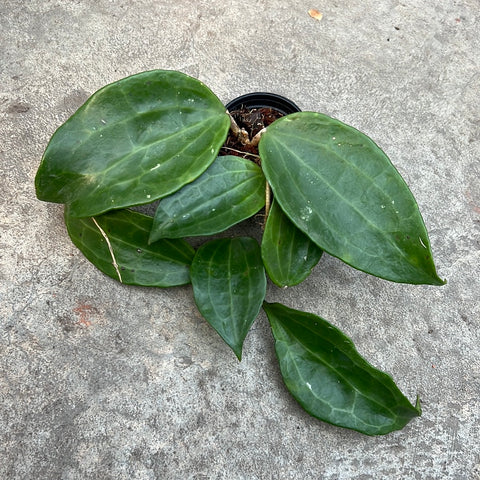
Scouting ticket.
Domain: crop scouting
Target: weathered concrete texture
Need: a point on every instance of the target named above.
(100, 380)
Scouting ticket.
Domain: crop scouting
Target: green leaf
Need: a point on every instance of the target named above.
(339, 188)
(229, 286)
(229, 191)
(328, 377)
(133, 141)
(117, 244)
(288, 254)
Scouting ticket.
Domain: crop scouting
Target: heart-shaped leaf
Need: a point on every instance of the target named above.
(229, 191)
(117, 244)
(229, 286)
(339, 188)
(133, 141)
(325, 373)
(288, 254)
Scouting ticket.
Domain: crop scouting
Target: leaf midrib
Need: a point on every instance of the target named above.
(350, 411)
(145, 148)
(340, 375)
(367, 221)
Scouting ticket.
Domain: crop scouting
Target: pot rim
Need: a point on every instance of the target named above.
(264, 100)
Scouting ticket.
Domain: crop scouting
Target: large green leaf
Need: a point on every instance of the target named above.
(133, 141)
(229, 191)
(117, 244)
(229, 286)
(288, 254)
(329, 378)
(339, 188)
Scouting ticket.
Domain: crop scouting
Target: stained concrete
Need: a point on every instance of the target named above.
(104, 381)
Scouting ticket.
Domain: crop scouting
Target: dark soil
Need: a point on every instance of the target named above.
(252, 120)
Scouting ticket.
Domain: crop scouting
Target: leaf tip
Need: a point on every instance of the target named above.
(153, 237)
(418, 406)
(437, 281)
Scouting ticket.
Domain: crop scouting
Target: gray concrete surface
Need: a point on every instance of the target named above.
(104, 381)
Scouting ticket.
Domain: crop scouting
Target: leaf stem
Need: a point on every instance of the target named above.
(268, 200)
(254, 141)
(240, 133)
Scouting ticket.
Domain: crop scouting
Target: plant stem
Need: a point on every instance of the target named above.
(240, 133)
(268, 202)
(268, 199)
(254, 141)
(243, 153)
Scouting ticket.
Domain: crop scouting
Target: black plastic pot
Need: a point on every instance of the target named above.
(263, 100)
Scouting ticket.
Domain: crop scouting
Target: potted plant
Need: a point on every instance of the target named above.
(156, 137)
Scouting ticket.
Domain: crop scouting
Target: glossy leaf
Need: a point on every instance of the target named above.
(288, 254)
(229, 286)
(133, 141)
(329, 378)
(229, 191)
(339, 188)
(117, 244)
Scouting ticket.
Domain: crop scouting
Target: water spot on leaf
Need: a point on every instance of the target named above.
(306, 213)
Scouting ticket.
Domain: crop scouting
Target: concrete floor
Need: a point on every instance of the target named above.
(104, 381)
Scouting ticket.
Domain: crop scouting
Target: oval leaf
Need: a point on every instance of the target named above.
(229, 286)
(229, 191)
(133, 141)
(288, 254)
(117, 244)
(339, 188)
(328, 377)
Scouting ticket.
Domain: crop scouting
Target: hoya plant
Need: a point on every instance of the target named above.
(319, 186)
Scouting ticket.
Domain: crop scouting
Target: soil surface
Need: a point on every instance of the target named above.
(252, 120)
